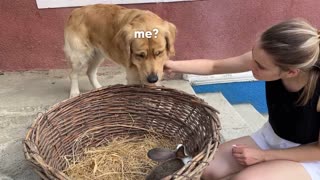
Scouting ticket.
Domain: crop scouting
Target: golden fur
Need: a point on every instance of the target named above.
(97, 32)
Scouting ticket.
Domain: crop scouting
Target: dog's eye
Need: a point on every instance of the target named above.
(158, 53)
(141, 55)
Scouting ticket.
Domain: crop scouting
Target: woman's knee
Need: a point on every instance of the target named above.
(217, 169)
(209, 174)
(223, 163)
(245, 175)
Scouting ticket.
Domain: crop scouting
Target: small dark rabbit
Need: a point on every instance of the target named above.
(173, 161)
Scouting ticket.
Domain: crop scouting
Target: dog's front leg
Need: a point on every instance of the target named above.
(74, 78)
(92, 71)
(132, 76)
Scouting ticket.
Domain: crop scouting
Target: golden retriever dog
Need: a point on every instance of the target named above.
(139, 40)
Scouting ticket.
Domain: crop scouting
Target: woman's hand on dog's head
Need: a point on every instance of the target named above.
(168, 66)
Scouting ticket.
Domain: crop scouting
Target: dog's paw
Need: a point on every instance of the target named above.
(74, 94)
(97, 86)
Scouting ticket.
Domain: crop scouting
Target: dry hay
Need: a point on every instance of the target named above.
(122, 158)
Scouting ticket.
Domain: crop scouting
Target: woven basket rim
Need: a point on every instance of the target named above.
(30, 149)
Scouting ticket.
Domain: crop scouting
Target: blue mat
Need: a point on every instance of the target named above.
(252, 92)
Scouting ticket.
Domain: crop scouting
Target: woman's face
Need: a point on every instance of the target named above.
(262, 65)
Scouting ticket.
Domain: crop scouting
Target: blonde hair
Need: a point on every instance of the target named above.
(295, 44)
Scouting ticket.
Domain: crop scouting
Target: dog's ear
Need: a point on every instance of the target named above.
(170, 38)
(123, 40)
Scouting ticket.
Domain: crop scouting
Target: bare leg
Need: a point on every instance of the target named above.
(92, 71)
(223, 163)
(228, 177)
(274, 170)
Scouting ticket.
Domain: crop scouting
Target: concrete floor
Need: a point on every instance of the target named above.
(23, 95)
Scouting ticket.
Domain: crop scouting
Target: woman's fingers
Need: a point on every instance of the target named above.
(238, 155)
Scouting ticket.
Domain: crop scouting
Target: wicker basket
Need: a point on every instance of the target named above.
(122, 110)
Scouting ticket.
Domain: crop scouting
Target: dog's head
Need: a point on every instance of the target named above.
(147, 41)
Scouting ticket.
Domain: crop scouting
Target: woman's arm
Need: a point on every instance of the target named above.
(308, 152)
(206, 66)
(303, 153)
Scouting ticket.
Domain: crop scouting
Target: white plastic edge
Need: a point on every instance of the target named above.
(219, 78)
(43, 4)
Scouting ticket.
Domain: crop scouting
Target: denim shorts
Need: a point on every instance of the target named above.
(266, 138)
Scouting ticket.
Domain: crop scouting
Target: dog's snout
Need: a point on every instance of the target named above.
(152, 78)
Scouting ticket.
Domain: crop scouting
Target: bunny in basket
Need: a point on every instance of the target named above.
(173, 161)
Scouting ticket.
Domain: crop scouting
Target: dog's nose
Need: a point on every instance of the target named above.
(152, 78)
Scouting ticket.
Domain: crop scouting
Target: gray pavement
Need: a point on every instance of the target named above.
(24, 94)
